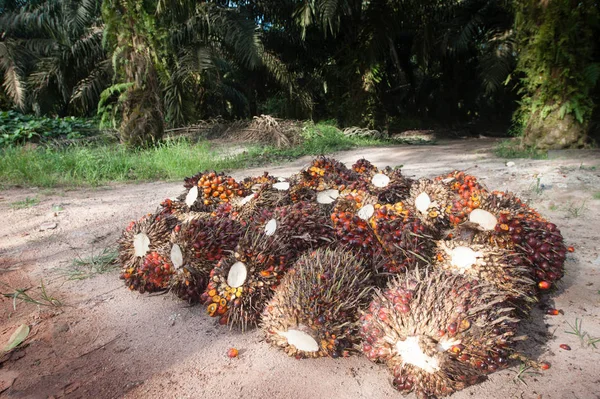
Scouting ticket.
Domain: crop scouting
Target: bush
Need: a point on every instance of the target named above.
(17, 128)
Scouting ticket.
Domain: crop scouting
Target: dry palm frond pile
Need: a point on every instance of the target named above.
(430, 277)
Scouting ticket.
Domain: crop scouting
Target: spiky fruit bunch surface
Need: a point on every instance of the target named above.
(212, 238)
(505, 221)
(504, 268)
(314, 312)
(432, 202)
(241, 283)
(138, 239)
(390, 186)
(405, 240)
(267, 197)
(352, 228)
(299, 227)
(155, 273)
(190, 272)
(438, 332)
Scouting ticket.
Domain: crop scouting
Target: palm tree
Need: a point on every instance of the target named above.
(51, 56)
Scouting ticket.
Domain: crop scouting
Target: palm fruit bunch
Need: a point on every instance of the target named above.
(138, 239)
(364, 168)
(504, 268)
(251, 184)
(432, 202)
(299, 227)
(315, 309)
(505, 221)
(406, 241)
(438, 332)
(212, 238)
(211, 189)
(350, 218)
(190, 272)
(242, 282)
(267, 196)
(469, 193)
(390, 187)
(542, 244)
(155, 273)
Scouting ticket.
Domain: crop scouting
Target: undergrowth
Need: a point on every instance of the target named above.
(511, 149)
(93, 165)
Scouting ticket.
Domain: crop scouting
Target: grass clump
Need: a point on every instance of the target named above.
(597, 195)
(510, 149)
(42, 298)
(93, 165)
(26, 203)
(101, 262)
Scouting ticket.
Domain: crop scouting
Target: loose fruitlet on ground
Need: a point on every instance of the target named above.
(298, 256)
(232, 352)
(545, 365)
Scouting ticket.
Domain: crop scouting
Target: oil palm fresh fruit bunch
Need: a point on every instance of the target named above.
(155, 273)
(137, 240)
(350, 217)
(190, 268)
(406, 241)
(390, 186)
(212, 189)
(299, 227)
(267, 196)
(468, 194)
(314, 311)
(432, 202)
(212, 238)
(485, 218)
(251, 184)
(505, 221)
(504, 268)
(438, 332)
(365, 168)
(244, 281)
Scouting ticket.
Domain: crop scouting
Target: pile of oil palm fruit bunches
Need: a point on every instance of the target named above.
(429, 277)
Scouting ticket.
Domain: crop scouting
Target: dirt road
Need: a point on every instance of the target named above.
(106, 341)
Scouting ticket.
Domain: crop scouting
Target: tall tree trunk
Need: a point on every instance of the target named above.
(556, 40)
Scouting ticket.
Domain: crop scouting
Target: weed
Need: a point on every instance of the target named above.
(524, 371)
(97, 263)
(585, 338)
(26, 203)
(597, 195)
(553, 207)
(44, 299)
(575, 210)
(512, 149)
(537, 187)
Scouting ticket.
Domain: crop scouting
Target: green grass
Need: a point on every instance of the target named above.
(101, 262)
(97, 165)
(510, 149)
(26, 203)
(597, 195)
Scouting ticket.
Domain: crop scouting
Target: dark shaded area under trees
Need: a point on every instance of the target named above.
(528, 66)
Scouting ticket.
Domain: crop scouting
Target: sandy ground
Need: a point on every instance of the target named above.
(106, 341)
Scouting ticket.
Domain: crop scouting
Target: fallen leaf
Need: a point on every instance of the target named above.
(17, 337)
